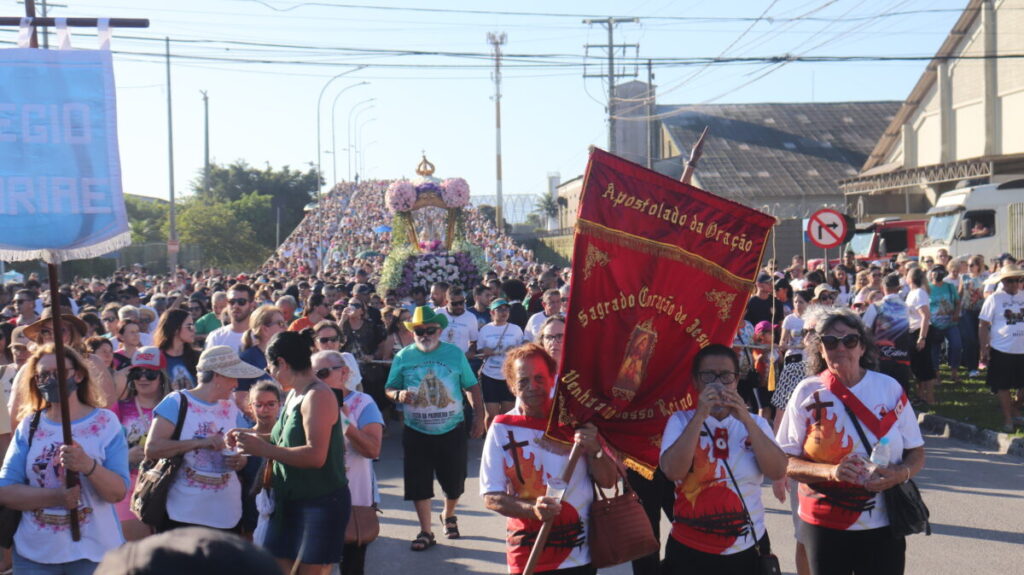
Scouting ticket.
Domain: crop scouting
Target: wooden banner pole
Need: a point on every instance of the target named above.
(545, 529)
(695, 154)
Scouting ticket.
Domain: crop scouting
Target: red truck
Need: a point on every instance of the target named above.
(884, 238)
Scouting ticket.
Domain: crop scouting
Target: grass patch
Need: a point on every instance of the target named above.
(970, 401)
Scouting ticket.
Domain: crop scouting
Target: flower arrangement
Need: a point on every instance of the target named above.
(400, 196)
(405, 269)
(455, 192)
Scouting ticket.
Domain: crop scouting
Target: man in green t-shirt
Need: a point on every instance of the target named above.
(430, 379)
(211, 321)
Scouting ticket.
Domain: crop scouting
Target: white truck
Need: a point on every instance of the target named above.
(986, 219)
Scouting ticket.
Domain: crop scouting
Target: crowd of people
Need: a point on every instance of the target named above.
(277, 388)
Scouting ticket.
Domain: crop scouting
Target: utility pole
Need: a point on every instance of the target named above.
(496, 40)
(610, 47)
(172, 239)
(650, 116)
(206, 143)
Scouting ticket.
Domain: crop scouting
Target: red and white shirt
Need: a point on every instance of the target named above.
(517, 461)
(708, 513)
(817, 427)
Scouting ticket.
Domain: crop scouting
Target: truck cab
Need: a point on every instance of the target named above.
(986, 219)
(884, 238)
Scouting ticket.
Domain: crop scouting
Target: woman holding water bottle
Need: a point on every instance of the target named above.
(520, 471)
(844, 522)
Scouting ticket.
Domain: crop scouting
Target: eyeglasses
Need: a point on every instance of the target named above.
(44, 375)
(150, 374)
(355, 305)
(827, 296)
(266, 404)
(21, 301)
(324, 372)
(425, 331)
(553, 337)
(109, 319)
(726, 377)
(238, 301)
(334, 339)
(1013, 280)
(831, 342)
(456, 303)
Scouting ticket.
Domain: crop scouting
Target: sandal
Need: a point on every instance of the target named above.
(423, 541)
(451, 527)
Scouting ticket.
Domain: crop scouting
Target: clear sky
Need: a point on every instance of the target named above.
(266, 113)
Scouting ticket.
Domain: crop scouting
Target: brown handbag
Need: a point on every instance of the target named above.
(363, 525)
(619, 528)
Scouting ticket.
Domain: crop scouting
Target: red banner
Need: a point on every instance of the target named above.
(660, 269)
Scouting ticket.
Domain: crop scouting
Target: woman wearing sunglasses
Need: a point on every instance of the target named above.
(361, 334)
(363, 427)
(147, 385)
(844, 521)
(327, 336)
(266, 322)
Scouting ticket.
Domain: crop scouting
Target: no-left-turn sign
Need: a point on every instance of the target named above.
(827, 228)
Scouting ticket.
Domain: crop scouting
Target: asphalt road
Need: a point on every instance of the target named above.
(976, 500)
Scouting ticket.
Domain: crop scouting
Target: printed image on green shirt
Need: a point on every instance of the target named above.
(436, 380)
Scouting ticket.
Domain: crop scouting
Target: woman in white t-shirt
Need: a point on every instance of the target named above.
(206, 490)
(32, 478)
(718, 455)
(792, 331)
(363, 426)
(844, 522)
(920, 316)
(493, 341)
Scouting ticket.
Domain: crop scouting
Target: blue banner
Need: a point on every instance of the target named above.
(60, 170)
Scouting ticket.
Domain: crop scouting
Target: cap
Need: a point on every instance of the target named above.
(192, 550)
(149, 357)
(225, 361)
(822, 288)
(763, 278)
(362, 289)
(498, 303)
(763, 326)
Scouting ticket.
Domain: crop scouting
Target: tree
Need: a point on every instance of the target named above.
(147, 219)
(228, 240)
(258, 193)
(547, 206)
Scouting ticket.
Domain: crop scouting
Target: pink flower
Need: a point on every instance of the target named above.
(400, 196)
(455, 192)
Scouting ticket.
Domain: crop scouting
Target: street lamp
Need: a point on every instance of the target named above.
(334, 139)
(349, 127)
(359, 141)
(319, 100)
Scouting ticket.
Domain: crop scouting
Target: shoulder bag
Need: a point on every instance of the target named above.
(11, 518)
(149, 499)
(620, 530)
(908, 514)
(363, 525)
(767, 562)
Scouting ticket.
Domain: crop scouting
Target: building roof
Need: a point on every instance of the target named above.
(891, 136)
(756, 151)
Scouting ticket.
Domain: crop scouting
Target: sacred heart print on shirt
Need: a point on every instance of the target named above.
(527, 479)
(708, 514)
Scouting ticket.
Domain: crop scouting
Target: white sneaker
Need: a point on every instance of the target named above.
(974, 373)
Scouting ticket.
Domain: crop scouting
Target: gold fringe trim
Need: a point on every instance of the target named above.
(663, 250)
(642, 468)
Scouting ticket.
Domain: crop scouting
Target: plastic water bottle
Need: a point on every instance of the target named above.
(880, 455)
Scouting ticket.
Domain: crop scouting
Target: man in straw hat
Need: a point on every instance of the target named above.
(1001, 337)
(430, 379)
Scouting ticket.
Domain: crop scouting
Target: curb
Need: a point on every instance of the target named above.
(990, 440)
